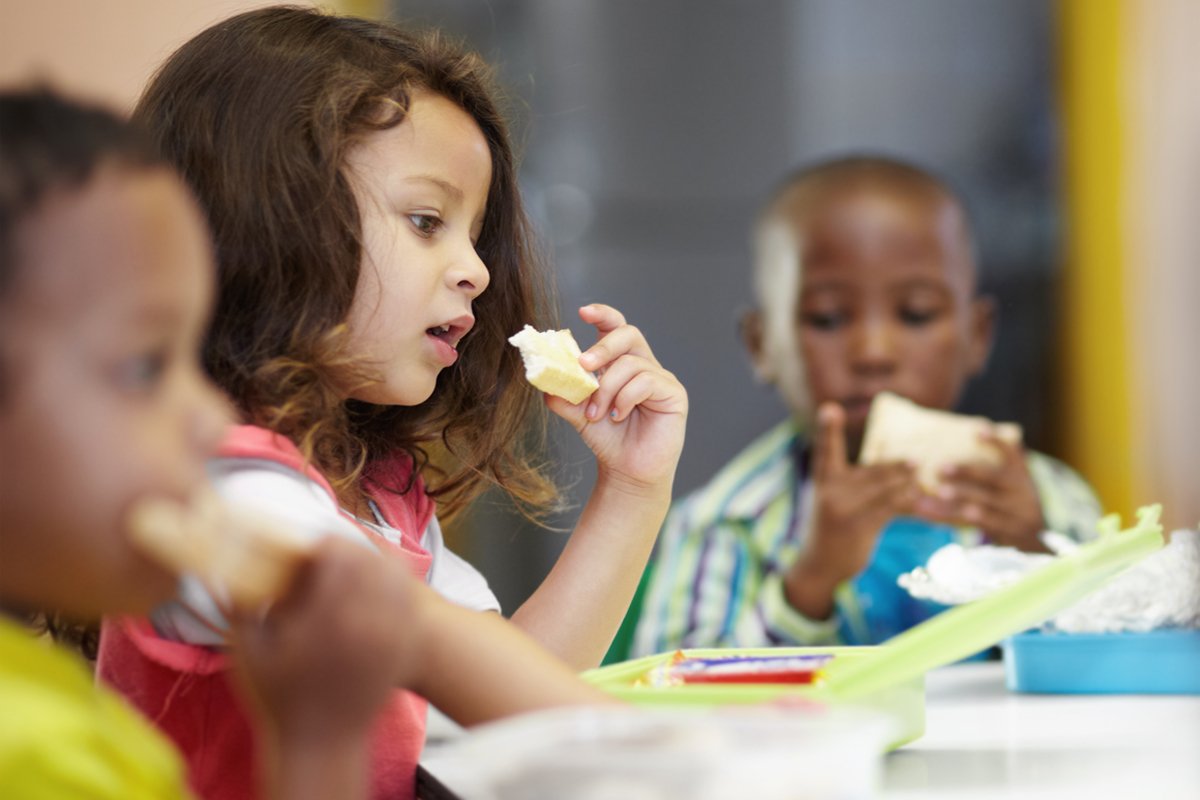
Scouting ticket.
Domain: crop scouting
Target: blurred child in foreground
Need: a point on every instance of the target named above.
(106, 281)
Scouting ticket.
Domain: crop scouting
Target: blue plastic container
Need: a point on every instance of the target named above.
(1157, 662)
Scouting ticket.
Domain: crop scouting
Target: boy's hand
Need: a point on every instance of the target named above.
(321, 662)
(853, 504)
(635, 421)
(1000, 500)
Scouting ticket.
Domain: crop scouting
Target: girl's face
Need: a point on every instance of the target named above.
(102, 400)
(422, 190)
(886, 301)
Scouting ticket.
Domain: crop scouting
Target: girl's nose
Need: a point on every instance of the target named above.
(469, 273)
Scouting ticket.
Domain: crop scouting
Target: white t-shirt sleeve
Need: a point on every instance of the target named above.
(287, 496)
(266, 488)
(452, 577)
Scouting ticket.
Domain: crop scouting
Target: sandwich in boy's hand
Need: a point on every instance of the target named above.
(243, 556)
(552, 363)
(900, 430)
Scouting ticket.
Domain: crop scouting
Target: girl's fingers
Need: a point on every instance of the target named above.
(829, 453)
(573, 414)
(625, 340)
(631, 381)
(604, 318)
(654, 390)
(616, 375)
(617, 337)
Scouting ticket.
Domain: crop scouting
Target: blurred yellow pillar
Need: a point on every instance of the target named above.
(1130, 415)
(1095, 417)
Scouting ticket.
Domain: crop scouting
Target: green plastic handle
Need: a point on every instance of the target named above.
(967, 629)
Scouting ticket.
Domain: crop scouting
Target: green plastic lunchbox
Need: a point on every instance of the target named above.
(890, 678)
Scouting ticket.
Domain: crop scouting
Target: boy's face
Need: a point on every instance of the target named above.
(102, 399)
(885, 303)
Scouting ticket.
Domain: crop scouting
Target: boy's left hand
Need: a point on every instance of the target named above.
(1001, 500)
(635, 421)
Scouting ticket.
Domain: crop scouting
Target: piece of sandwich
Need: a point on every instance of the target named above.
(237, 554)
(552, 363)
(900, 430)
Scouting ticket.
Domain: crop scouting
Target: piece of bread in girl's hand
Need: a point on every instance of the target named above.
(552, 363)
(244, 556)
(900, 430)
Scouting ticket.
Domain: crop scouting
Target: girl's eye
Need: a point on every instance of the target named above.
(426, 224)
(141, 373)
(823, 320)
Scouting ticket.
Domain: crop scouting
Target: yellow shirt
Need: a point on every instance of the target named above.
(62, 736)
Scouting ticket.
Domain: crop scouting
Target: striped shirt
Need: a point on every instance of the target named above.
(717, 574)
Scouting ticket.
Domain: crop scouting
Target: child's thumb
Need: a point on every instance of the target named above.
(575, 414)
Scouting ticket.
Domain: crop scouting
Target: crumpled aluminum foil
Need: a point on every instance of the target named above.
(1160, 591)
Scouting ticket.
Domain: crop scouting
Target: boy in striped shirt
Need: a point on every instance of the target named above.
(866, 281)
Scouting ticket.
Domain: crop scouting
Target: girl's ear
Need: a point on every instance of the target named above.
(750, 328)
(982, 333)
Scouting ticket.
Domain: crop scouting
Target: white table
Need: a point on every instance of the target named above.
(982, 741)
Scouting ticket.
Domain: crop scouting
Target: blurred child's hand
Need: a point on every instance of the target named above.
(1001, 500)
(635, 421)
(853, 504)
(321, 662)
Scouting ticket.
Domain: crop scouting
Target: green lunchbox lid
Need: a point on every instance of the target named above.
(963, 630)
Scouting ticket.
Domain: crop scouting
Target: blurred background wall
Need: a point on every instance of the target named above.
(652, 129)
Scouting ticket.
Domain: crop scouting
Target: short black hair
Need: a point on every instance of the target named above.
(49, 143)
(884, 168)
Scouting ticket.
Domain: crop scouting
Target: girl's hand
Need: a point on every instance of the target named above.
(635, 421)
(852, 505)
(322, 661)
(1000, 500)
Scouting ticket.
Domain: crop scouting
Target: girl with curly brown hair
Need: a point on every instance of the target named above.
(373, 257)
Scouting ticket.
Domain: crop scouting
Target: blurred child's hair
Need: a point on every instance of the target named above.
(871, 168)
(49, 145)
(258, 113)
